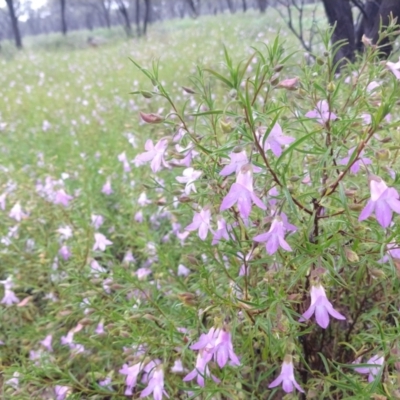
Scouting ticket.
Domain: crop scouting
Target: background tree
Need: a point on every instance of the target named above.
(63, 19)
(14, 23)
(147, 11)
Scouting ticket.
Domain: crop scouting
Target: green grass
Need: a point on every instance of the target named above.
(84, 93)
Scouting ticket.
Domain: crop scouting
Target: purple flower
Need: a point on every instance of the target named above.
(16, 212)
(97, 221)
(61, 392)
(9, 296)
(275, 237)
(242, 193)
(65, 232)
(275, 140)
(201, 221)
(189, 176)
(384, 201)
(395, 68)
(64, 252)
(100, 328)
(155, 154)
(46, 343)
(62, 198)
(222, 231)
(372, 371)
(322, 113)
(107, 189)
(223, 350)
(156, 384)
(122, 158)
(286, 377)
(201, 369)
(101, 242)
(131, 376)
(322, 307)
(393, 251)
(356, 166)
(237, 161)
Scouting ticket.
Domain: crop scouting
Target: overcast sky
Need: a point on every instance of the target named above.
(35, 3)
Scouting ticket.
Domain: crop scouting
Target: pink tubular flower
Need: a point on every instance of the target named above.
(9, 296)
(201, 369)
(101, 242)
(372, 371)
(190, 175)
(322, 113)
(156, 384)
(275, 140)
(242, 193)
(222, 232)
(17, 213)
(64, 252)
(286, 377)
(155, 154)
(384, 201)
(322, 307)
(201, 221)
(223, 350)
(107, 189)
(46, 343)
(395, 68)
(61, 392)
(62, 198)
(131, 376)
(275, 237)
(356, 166)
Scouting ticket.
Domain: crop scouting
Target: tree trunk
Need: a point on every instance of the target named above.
(262, 5)
(381, 20)
(138, 30)
(125, 15)
(14, 24)
(192, 7)
(366, 24)
(244, 3)
(230, 6)
(63, 20)
(106, 13)
(146, 15)
(340, 15)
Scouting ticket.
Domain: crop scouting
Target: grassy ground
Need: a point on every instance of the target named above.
(65, 116)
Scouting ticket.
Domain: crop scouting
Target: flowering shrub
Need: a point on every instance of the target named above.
(244, 245)
(289, 163)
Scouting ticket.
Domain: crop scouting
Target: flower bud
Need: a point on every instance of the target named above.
(289, 84)
(146, 94)
(294, 178)
(274, 79)
(151, 118)
(188, 90)
(188, 299)
(367, 42)
(278, 68)
(233, 93)
(377, 273)
(350, 192)
(227, 126)
(351, 255)
(320, 61)
(382, 154)
(356, 206)
(184, 199)
(237, 149)
(331, 87)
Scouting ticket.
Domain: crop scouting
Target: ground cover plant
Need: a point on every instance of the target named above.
(232, 235)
